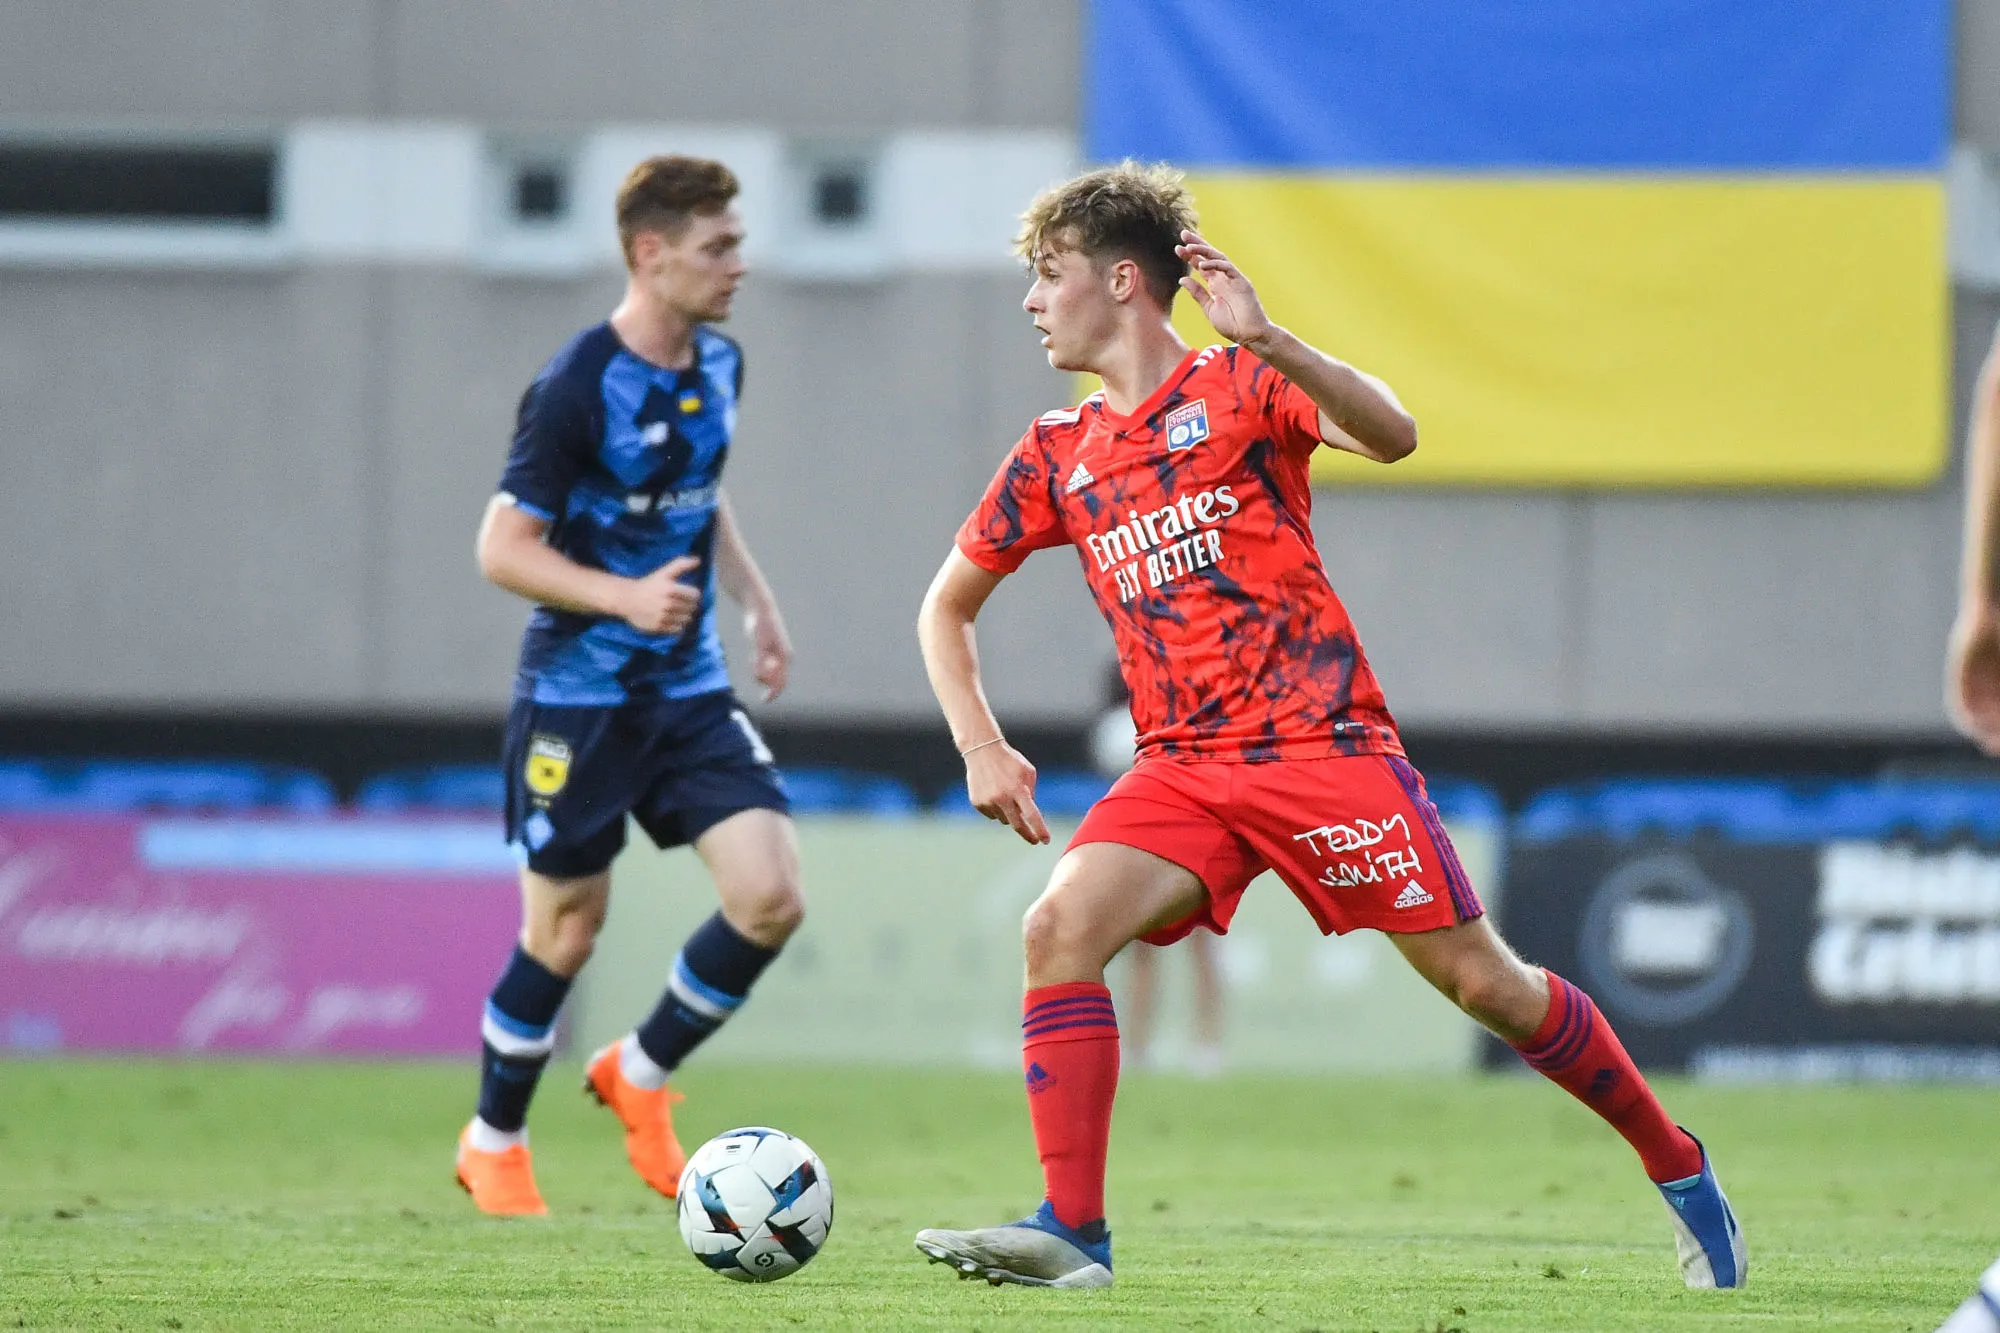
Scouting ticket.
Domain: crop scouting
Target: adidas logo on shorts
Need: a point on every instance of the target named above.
(1413, 895)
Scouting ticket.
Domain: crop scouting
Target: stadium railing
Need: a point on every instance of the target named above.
(1060, 793)
(1068, 793)
(112, 786)
(1765, 810)
(27, 784)
(825, 791)
(458, 788)
(474, 788)
(1462, 800)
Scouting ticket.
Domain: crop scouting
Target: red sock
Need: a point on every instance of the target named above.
(1576, 1048)
(1069, 1048)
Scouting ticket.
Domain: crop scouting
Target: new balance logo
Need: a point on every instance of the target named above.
(1413, 895)
(1078, 480)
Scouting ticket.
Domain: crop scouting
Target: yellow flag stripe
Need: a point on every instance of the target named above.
(1614, 331)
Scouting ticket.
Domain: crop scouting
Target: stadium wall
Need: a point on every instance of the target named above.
(254, 487)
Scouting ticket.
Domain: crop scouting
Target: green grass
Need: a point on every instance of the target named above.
(173, 1196)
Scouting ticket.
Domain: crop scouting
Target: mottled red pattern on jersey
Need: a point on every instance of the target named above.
(1199, 550)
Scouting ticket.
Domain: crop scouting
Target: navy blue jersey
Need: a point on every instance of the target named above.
(623, 459)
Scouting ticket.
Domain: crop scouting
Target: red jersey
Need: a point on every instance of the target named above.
(1192, 519)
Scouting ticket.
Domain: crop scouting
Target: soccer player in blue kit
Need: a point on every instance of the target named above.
(611, 518)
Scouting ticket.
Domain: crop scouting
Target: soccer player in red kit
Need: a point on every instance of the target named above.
(1264, 739)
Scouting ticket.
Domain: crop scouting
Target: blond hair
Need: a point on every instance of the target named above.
(1131, 211)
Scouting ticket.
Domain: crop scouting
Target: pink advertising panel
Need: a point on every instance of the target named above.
(268, 936)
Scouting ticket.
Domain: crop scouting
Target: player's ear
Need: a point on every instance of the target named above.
(646, 247)
(1124, 279)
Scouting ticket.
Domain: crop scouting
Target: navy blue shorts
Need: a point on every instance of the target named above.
(678, 766)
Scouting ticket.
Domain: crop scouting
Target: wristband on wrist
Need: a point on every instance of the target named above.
(982, 745)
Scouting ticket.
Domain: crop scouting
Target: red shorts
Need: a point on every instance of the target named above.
(1355, 837)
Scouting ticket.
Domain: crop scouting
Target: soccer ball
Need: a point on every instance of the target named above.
(755, 1204)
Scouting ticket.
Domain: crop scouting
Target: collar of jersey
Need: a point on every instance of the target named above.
(693, 367)
(1123, 423)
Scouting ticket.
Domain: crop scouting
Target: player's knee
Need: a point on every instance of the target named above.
(1053, 932)
(1498, 992)
(769, 914)
(1476, 989)
(1039, 925)
(564, 944)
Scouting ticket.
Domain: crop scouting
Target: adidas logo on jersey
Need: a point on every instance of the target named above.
(1413, 895)
(1078, 479)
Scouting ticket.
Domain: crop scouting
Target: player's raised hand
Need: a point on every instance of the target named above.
(1000, 782)
(660, 603)
(1222, 292)
(1972, 683)
(772, 647)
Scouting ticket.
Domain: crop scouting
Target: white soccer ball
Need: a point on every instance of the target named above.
(755, 1204)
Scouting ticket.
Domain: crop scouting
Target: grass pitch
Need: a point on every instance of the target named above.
(189, 1196)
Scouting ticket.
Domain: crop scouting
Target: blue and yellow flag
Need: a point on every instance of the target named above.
(1650, 242)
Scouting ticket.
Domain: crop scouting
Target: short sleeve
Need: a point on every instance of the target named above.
(1018, 514)
(551, 447)
(1292, 417)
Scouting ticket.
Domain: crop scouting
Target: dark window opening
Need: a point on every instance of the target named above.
(541, 193)
(135, 183)
(839, 196)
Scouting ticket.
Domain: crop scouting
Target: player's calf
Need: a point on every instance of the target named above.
(517, 1034)
(1560, 1032)
(708, 982)
(1102, 896)
(1473, 968)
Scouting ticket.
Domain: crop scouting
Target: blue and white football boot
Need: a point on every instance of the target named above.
(1981, 1311)
(1711, 1246)
(1037, 1251)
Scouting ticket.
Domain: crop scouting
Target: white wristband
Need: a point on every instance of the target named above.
(982, 745)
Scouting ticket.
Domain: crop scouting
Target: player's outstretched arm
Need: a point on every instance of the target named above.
(736, 570)
(1357, 412)
(1972, 682)
(512, 553)
(999, 780)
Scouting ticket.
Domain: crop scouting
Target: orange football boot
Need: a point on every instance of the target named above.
(501, 1183)
(648, 1116)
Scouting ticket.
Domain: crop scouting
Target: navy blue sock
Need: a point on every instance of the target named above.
(518, 1032)
(712, 974)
